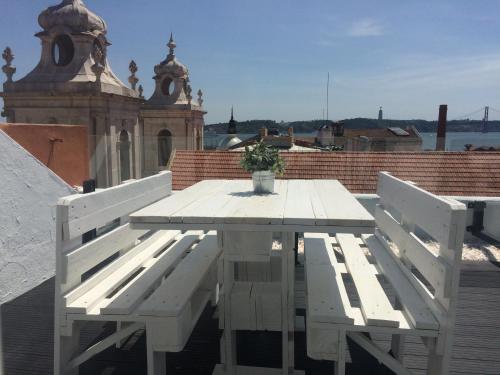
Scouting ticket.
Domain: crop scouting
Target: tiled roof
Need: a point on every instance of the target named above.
(445, 173)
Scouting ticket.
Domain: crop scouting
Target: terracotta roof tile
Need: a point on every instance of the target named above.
(447, 173)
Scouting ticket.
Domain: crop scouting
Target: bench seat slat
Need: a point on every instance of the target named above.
(413, 304)
(376, 307)
(83, 298)
(327, 298)
(125, 301)
(172, 296)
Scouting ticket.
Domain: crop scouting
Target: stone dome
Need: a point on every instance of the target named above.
(74, 15)
(227, 142)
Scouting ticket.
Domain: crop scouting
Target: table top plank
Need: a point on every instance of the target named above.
(161, 211)
(297, 203)
(210, 201)
(249, 208)
(299, 209)
(340, 206)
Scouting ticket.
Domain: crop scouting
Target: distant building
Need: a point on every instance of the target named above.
(373, 139)
(380, 114)
(272, 137)
(231, 128)
(171, 119)
(231, 139)
(73, 84)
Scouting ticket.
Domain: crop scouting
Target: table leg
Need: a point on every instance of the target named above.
(288, 301)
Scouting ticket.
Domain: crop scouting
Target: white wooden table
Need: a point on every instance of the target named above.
(245, 224)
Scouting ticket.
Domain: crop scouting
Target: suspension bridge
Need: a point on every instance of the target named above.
(485, 112)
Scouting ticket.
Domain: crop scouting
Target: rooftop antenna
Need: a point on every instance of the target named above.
(327, 93)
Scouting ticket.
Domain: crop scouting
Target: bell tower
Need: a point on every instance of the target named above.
(171, 119)
(73, 84)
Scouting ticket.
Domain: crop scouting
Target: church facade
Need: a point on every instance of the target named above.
(73, 84)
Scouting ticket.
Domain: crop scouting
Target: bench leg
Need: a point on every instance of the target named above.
(287, 301)
(156, 360)
(398, 341)
(66, 347)
(229, 337)
(339, 368)
(439, 363)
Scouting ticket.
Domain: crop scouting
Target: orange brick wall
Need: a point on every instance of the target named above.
(67, 155)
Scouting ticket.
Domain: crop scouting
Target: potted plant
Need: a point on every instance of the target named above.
(264, 162)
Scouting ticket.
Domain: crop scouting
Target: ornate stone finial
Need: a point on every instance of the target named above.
(187, 88)
(200, 97)
(133, 79)
(141, 91)
(99, 62)
(171, 46)
(8, 69)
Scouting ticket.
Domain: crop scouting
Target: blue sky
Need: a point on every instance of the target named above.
(270, 58)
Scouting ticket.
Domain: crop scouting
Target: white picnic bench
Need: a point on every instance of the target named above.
(425, 282)
(157, 280)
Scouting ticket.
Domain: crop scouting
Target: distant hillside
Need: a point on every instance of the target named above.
(253, 126)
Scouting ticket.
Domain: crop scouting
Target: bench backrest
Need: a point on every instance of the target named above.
(78, 214)
(405, 210)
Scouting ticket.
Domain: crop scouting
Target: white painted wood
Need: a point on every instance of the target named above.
(243, 315)
(89, 293)
(133, 295)
(322, 344)
(415, 307)
(207, 201)
(171, 297)
(378, 353)
(241, 246)
(375, 306)
(89, 211)
(266, 296)
(104, 344)
(430, 212)
(340, 363)
(215, 204)
(163, 210)
(327, 298)
(82, 259)
(116, 292)
(257, 227)
(299, 191)
(340, 207)
(435, 269)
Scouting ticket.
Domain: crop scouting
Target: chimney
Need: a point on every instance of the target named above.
(339, 129)
(263, 132)
(441, 131)
(290, 132)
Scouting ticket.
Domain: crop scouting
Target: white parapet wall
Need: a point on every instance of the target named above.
(28, 195)
(491, 219)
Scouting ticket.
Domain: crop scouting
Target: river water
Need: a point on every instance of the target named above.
(455, 141)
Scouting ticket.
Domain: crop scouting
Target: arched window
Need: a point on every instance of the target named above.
(164, 147)
(124, 155)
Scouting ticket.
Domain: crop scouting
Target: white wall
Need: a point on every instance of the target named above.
(28, 194)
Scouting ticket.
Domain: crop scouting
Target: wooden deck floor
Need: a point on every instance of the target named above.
(27, 327)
